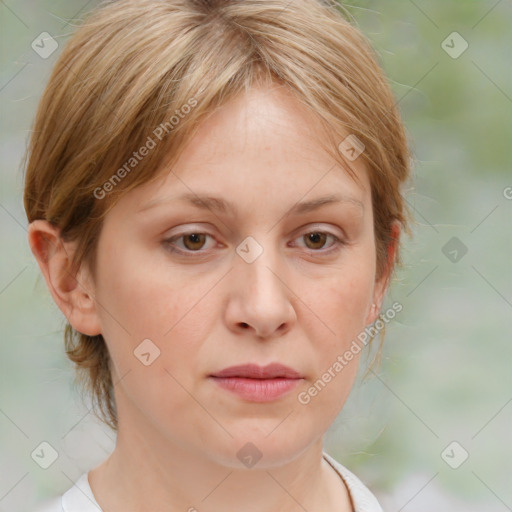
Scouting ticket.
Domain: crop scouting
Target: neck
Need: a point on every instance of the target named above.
(152, 472)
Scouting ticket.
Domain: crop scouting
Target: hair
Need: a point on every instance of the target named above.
(145, 73)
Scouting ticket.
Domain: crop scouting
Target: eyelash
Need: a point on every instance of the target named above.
(336, 246)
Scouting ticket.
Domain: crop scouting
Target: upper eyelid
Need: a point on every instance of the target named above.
(308, 228)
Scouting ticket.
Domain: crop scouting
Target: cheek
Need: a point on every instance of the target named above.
(341, 302)
(143, 299)
(150, 302)
(338, 309)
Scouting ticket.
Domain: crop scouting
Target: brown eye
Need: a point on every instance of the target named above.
(315, 240)
(188, 243)
(194, 241)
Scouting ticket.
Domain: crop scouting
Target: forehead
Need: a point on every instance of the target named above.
(266, 124)
(260, 149)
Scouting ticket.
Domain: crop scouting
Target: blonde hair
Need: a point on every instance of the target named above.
(132, 68)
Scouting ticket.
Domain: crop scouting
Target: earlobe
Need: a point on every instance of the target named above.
(72, 292)
(372, 315)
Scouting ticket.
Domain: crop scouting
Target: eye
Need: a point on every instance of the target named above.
(192, 242)
(315, 241)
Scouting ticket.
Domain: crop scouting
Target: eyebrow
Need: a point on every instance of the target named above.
(207, 202)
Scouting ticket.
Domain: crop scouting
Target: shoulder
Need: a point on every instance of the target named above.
(78, 498)
(362, 497)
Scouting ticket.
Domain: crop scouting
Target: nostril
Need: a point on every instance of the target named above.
(244, 325)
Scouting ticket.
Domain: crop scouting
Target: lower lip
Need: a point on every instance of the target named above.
(257, 390)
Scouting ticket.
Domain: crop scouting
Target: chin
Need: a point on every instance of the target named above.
(261, 449)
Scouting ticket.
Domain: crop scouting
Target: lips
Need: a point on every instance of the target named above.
(255, 383)
(253, 371)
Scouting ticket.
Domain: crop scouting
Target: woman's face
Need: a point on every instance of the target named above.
(232, 259)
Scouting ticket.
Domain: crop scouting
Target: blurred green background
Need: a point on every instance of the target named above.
(446, 372)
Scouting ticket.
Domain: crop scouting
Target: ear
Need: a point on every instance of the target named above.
(73, 294)
(382, 283)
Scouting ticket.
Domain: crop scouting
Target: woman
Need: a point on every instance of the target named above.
(214, 199)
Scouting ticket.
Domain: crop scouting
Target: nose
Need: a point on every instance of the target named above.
(260, 300)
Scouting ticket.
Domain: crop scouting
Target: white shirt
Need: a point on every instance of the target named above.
(80, 498)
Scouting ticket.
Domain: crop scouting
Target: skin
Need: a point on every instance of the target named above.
(301, 303)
